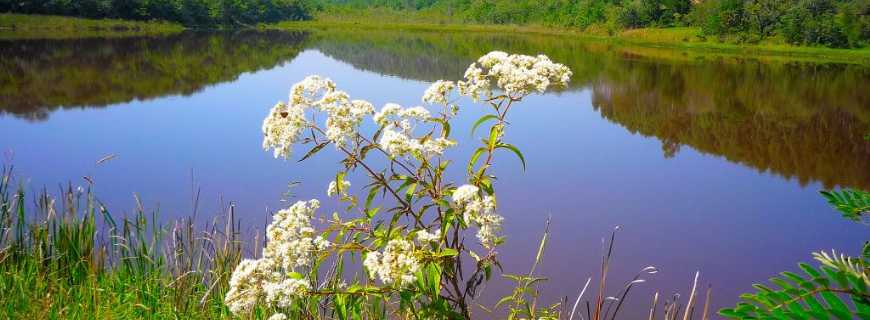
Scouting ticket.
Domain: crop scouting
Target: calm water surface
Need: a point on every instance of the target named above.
(707, 163)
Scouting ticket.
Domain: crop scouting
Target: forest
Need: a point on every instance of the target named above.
(831, 23)
(191, 13)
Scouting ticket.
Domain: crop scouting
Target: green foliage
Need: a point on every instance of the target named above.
(563, 13)
(831, 23)
(837, 288)
(853, 204)
(41, 76)
(195, 13)
(68, 257)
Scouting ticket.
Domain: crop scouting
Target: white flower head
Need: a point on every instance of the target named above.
(417, 113)
(246, 286)
(282, 128)
(334, 189)
(291, 242)
(481, 211)
(389, 109)
(437, 146)
(439, 92)
(397, 143)
(278, 316)
(423, 236)
(396, 265)
(345, 116)
(282, 293)
(515, 74)
(465, 194)
(285, 123)
(310, 90)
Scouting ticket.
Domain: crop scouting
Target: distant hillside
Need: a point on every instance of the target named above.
(831, 23)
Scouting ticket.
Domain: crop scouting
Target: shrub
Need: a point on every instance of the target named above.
(410, 239)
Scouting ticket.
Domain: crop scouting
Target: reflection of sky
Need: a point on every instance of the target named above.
(691, 212)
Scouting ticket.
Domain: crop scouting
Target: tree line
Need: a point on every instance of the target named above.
(833, 23)
(192, 13)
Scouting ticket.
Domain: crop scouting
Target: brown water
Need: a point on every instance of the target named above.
(708, 163)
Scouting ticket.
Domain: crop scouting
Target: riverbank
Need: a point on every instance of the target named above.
(22, 26)
(684, 38)
(19, 26)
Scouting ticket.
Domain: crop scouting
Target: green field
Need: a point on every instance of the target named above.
(21, 26)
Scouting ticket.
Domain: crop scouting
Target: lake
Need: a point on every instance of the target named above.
(707, 162)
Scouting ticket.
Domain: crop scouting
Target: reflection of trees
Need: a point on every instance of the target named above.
(431, 56)
(39, 76)
(798, 120)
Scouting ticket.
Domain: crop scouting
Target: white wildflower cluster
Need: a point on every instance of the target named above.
(423, 236)
(397, 139)
(285, 123)
(334, 189)
(396, 265)
(291, 245)
(291, 237)
(439, 92)
(392, 112)
(481, 211)
(278, 316)
(282, 128)
(517, 75)
(282, 293)
(246, 285)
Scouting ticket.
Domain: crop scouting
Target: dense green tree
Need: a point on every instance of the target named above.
(196, 13)
(834, 23)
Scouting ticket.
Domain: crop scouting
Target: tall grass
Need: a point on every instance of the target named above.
(68, 257)
(65, 256)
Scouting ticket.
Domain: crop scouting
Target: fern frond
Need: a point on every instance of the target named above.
(853, 204)
(841, 262)
(837, 289)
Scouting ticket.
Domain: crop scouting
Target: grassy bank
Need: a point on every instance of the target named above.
(68, 257)
(686, 38)
(22, 26)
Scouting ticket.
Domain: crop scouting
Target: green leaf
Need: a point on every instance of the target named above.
(313, 151)
(853, 204)
(494, 134)
(372, 193)
(515, 151)
(474, 158)
(445, 126)
(448, 252)
(838, 308)
(409, 194)
(481, 121)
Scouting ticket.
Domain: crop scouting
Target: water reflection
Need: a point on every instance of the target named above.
(40, 76)
(797, 120)
(588, 164)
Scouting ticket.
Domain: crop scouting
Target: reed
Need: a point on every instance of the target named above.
(68, 256)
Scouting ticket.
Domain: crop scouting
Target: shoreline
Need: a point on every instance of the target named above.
(685, 39)
(657, 38)
(23, 26)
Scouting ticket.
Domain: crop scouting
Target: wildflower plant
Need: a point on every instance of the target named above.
(408, 227)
